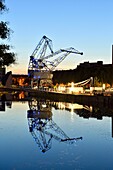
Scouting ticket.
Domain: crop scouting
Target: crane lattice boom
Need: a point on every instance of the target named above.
(64, 53)
(39, 59)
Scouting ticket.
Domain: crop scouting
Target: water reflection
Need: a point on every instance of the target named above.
(86, 111)
(43, 128)
(5, 100)
(49, 126)
(40, 116)
(71, 107)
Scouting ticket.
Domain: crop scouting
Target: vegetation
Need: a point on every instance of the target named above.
(101, 74)
(6, 56)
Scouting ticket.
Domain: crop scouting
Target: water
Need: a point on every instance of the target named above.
(33, 135)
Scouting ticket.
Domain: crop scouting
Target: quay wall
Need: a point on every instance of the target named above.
(96, 100)
(84, 99)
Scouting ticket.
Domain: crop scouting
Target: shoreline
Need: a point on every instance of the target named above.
(95, 100)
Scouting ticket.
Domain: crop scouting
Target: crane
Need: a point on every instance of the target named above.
(42, 128)
(42, 62)
(51, 65)
(43, 44)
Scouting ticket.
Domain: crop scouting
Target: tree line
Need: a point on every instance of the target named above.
(101, 74)
(6, 56)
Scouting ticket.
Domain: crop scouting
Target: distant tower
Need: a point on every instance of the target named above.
(112, 55)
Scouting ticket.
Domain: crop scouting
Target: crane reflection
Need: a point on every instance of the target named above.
(43, 128)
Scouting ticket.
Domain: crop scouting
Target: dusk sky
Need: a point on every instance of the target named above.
(86, 25)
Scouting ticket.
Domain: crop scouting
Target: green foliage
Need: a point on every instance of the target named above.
(2, 6)
(6, 56)
(4, 30)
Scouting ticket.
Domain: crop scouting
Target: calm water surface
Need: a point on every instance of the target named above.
(38, 135)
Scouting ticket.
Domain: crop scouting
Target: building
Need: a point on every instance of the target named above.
(96, 64)
(20, 79)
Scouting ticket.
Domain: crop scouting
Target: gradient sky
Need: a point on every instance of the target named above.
(86, 25)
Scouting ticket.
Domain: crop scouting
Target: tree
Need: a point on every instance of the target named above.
(2, 6)
(6, 56)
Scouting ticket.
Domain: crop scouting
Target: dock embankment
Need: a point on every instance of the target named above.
(95, 100)
(84, 99)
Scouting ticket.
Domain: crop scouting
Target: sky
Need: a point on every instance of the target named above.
(86, 25)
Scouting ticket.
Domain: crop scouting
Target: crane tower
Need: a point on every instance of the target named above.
(44, 60)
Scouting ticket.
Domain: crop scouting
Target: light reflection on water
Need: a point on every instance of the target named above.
(36, 135)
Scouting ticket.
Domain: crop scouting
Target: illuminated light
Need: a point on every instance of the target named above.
(72, 87)
(91, 109)
(61, 105)
(61, 88)
(72, 117)
(75, 106)
(72, 108)
(34, 112)
(21, 95)
(103, 86)
(34, 77)
(43, 105)
(91, 89)
(72, 84)
(72, 114)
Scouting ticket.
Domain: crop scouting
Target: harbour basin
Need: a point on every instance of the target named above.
(46, 135)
